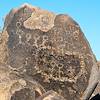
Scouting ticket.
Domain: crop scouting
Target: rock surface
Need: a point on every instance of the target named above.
(98, 87)
(48, 50)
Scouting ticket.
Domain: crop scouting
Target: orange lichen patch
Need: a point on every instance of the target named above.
(3, 47)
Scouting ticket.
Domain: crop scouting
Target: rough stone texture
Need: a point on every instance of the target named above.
(3, 47)
(98, 87)
(50, 95)
(49, 48)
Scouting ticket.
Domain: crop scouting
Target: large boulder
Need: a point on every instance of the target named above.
(51, 49)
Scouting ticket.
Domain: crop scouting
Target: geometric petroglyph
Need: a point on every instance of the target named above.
(45, 21)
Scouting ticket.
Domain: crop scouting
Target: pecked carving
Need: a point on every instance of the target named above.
(45, 20)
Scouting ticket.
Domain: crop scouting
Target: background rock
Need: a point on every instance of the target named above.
(3, 47)
(98, 87)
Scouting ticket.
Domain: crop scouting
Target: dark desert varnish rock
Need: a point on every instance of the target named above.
(51, 49)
